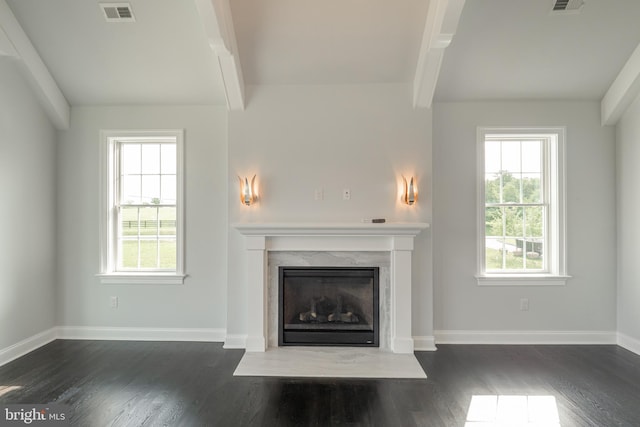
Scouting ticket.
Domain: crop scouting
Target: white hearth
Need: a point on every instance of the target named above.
(387, 245)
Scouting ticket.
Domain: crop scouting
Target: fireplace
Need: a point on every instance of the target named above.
(337, 306)
(319, 241)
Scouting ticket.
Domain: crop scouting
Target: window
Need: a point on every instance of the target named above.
(141, 209)
(521, 206)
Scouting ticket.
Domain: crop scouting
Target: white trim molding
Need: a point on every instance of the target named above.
(425, 343)
(217, 22)
(27, 345)
(394, 238)
(553, 191)
(108, 205)
(235, 342)
(440, 27)
(629, 343)
(15, 42)
(525, 337)
(141, 279)
(302, 229)
(622, 92)
(515, 280)
(141, 334)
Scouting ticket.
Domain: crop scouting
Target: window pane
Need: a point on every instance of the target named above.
(492, 156)
(148, 254)
(493, 222)
(130, 159)
(150, 158)
(511, 156)
(492, 188)
(129, 221)
(129, 251)
(130, 189)
(534, 221)
(513, 254)
(519, 170)
(533, 254)
(167, 217)
(168, 254)
(532, 156)
(494, 254)
(168, 189)
(513, 221)
(151, 189)
(149, 221)
(510, 188)
(168, 165)
(531, 189)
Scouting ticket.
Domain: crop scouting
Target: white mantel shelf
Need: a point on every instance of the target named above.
(393, 237)
(330, 228)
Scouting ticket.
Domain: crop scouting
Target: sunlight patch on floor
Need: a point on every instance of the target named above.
(5, 389)
(512, 411)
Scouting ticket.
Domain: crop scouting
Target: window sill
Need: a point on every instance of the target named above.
(141, 278)
(522, 280)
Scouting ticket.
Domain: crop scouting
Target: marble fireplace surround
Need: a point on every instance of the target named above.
(355, 244)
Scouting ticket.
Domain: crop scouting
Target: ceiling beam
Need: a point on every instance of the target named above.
(14, 42)
(622, 92)
(440, 27)
(6, 47)
(216, 19)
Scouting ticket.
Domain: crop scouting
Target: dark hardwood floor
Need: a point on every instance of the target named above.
(117, 383)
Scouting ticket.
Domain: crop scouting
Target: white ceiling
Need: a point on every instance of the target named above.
(502, 49)
(515, 49)
(162, 58)
(329, 41)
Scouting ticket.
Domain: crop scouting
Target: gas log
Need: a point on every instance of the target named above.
(323, 310)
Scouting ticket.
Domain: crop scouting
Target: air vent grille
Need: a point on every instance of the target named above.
(117, 12)
(567, 6)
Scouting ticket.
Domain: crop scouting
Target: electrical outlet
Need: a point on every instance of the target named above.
(318, 194)
(346, 194)
(524, 304)
(114, 302)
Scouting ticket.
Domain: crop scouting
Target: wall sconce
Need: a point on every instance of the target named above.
(247, 191)
(410, 195)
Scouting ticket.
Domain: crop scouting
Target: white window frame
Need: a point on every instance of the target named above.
(555, 225)
(109, 274)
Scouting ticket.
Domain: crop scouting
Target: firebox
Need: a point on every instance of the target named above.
(330, 306)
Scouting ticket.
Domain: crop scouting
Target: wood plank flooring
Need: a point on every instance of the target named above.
(120, 383)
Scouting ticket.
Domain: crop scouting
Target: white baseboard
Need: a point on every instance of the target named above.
(425, 343)
(631, 344)
(235, 342)
(525, 337)
(421, 343)
(141, 334)
(27, 345)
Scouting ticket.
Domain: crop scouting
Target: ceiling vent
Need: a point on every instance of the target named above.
(567, 6)
(117, 12)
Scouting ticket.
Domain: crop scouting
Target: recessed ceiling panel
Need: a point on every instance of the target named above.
(506, 49)
(329, 41)
(161, 58)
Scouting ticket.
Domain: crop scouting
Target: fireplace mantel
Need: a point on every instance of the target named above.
(331, 229)
(395, 238)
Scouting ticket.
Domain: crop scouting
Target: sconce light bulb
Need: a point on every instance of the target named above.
(247, 194)
(410, 191)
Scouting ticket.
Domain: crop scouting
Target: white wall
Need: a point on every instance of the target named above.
(628, 185)
(27, 213)
(588, 301)
(301, 138)
(200, 301)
